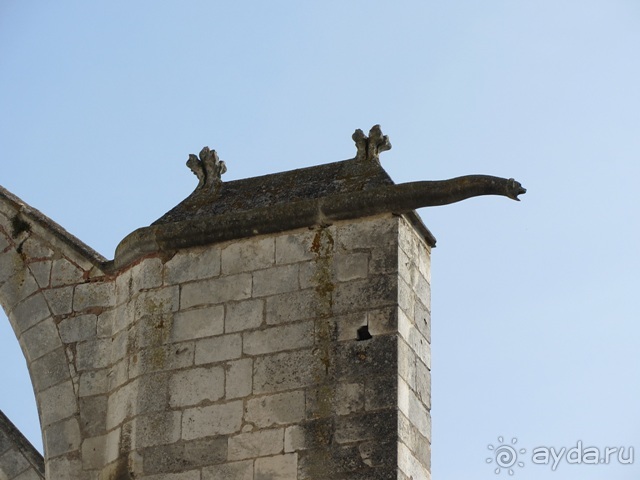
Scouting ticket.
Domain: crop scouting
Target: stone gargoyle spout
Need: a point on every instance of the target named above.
(444, 192)
(405, 197)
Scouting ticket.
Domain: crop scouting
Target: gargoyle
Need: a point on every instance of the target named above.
(429, 193)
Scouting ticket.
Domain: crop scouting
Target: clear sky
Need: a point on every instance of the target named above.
(534, 304)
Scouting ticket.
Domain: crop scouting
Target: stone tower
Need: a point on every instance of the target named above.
(272, 328)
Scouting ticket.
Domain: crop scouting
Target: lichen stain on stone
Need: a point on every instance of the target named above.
(122, 469)
(158, 358)
(119, 472)
(322, 248)
(18, 226)
(322, 435)
(157, 330)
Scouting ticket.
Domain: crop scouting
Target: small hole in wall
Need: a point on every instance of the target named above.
(363, 333)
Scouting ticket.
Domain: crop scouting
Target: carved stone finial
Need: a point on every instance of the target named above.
(369, 148)
(208, 168)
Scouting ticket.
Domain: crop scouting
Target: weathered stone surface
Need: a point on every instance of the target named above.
(191, 475)
(101, 450)
(196, 385)
(92, 419)
(12, 464)
(295, 247)
(93, 354)
(121, 405)
(58, 402)
(198, 323)
(417, 443)
(372, 292)
(418, 343)
(343, 462)
(286, 371)
(410, 465)
(215, 291)
(94, 382)
(351, 266)
(275, 339)
(69, 465)
(256, 444)
(380, 392)
(414, 409)
(217, 349)
(294, 306)
(40, 339)
(158, 428)
(147, 274)
(313, 434)
(335, 399)
(275, 280)
(77, 329)
(21, 285)
(89, 295)
(35, 249)
(63, 272)
(4, 241)
(239, 378)
(249, 255)
(422, 320)
(62, 437)
(213, 420)
(182, 456)
(10, 264)
(357, 360)
(30, 474)
(342, 327)
(277, 409)
(192, 265)
(18, 458)
(155, 302)
(49, 370)
(29, 312)
(162, 358)
(279, 467)
(229, 471)
(60, 300)
(367, 426)
(245, 315)
(41, 272)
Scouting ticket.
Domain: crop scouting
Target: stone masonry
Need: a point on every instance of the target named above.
(240, 360)
(275, 328)
(18, 459)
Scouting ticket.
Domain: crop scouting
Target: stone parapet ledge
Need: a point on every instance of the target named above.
(398, 199)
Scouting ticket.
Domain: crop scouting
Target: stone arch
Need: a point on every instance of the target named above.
(40, 267)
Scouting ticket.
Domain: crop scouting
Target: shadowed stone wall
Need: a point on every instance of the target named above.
(241, 360)
(18, 459)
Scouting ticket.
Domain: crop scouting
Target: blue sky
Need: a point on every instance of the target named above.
(534, 304)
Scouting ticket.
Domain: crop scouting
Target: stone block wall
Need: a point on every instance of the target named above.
(18, 459)
(302, 355)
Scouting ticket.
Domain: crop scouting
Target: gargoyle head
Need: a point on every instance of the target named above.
(514, 188)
